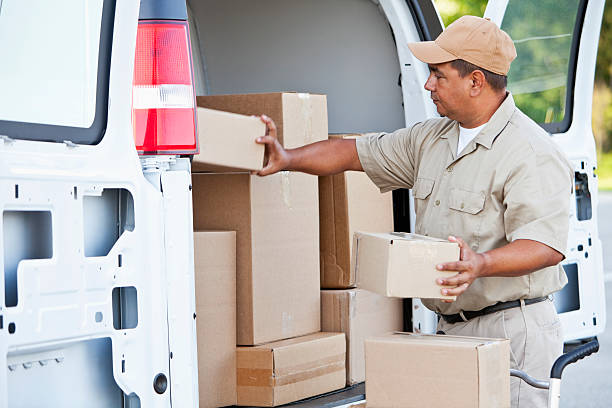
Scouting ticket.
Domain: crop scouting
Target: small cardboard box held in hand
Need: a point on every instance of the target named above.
(402, 265)
(227, 142)
(277, 248)
(405, 370)
(290, 370)
(214, 255)
(300, 118)
(360, 314)
(348, 202)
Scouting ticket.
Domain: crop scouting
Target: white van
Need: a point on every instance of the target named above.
(97, 289)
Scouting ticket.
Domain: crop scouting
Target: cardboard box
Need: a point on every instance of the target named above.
(215, 286)
(348, 202)
(277, 248)
(402, 265)
(227, 142)
(406, 370)
(300, 118)
(290, 370)
(359, 314)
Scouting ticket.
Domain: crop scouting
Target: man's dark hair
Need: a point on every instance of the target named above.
(497, 82)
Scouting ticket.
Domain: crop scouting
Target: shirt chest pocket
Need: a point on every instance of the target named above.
(466, 201)
(422, 188)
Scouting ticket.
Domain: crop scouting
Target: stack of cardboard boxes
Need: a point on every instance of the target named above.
(350, 202)
(292, 297)
(257, 257)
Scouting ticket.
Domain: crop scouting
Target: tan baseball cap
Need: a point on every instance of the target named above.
(473, 39)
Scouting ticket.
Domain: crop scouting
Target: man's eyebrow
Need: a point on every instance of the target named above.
(433, 69)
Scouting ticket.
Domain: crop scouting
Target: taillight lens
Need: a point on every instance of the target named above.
(163, 102)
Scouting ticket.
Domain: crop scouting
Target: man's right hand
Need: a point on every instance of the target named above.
(321, 158)
(276, 157)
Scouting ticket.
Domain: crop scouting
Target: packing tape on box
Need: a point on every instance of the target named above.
(306, 115)
(286, 188)
(355, 258)
(267, 377)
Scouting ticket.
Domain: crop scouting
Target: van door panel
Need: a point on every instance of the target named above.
(89, 324)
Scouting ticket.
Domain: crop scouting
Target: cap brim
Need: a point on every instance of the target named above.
(430, 53)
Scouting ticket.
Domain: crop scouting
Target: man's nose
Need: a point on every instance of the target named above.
(429, 83)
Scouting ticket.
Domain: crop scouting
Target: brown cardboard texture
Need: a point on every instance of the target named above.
(406, 370)
(277, 247)
(402, 265)
(290, 370)
(359, 314)
(215, 289)
(227, 142)
(348, 202)
(300, 118)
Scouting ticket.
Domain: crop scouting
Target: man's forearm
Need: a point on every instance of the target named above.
(519, 258)
(325, 157)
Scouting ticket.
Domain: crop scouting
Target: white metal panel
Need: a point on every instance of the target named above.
(60, 298)
(178, 239)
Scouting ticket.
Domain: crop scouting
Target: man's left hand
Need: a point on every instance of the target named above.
(470, 266)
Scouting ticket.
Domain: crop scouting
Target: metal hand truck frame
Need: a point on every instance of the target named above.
(553, 385)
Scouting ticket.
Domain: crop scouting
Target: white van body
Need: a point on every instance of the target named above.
(97, 301)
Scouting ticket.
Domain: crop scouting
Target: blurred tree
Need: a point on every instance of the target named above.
(602, 95)
(603, 71)
(450, 10)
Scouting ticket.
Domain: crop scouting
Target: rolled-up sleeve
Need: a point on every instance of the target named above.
(388, 158)
(537, 199)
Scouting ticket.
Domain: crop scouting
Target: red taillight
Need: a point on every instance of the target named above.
(163, 102)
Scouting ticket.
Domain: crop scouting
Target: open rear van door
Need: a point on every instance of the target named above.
(89, 278)
(552, 82)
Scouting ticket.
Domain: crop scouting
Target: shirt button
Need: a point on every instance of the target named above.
(437, 202)
(462, 206)
(450, 169)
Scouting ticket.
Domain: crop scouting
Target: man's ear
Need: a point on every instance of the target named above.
(478, 82)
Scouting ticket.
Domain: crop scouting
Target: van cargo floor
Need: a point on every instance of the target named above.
(333, 399)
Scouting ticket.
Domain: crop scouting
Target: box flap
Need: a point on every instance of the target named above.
(371, 253)
(476, 341)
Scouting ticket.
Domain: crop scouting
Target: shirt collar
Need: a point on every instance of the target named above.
(496, 124)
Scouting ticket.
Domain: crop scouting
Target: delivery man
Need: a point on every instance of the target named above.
(485, 176)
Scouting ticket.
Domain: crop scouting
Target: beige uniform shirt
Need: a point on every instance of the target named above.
(510, 182)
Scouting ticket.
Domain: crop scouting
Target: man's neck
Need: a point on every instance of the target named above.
(482, 116)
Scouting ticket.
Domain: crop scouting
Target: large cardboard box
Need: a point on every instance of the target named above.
(300, 118)
(277, 248)
(359, 314)
(215, 286)
(227, 142)
(402, 265)
(348, 202)
(290, 370)
(405, 370)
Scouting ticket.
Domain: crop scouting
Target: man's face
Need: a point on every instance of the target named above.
(449, 91)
